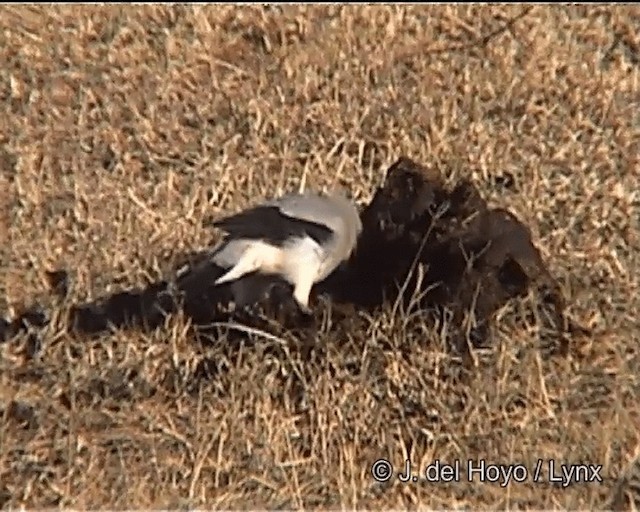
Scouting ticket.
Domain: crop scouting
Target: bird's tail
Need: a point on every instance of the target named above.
(243, 267)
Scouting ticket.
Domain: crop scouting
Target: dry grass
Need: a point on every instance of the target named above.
(122, 128)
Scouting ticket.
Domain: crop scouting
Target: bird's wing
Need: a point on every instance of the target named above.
(336, 212)
(271, 224)
(309, 207)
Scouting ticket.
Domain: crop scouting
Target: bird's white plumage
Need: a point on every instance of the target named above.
(246, 256)
(301, 259)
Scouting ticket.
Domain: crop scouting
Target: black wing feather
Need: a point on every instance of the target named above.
(270, 224)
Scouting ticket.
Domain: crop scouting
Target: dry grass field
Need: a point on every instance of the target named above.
(123, 128)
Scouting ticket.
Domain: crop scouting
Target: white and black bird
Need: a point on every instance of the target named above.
(301, 238)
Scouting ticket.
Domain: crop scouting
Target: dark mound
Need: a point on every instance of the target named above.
(474, 258)
(464, 257)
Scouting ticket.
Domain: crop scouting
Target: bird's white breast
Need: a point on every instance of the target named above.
(303, 255)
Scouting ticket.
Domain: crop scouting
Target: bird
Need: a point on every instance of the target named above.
(300, 237)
